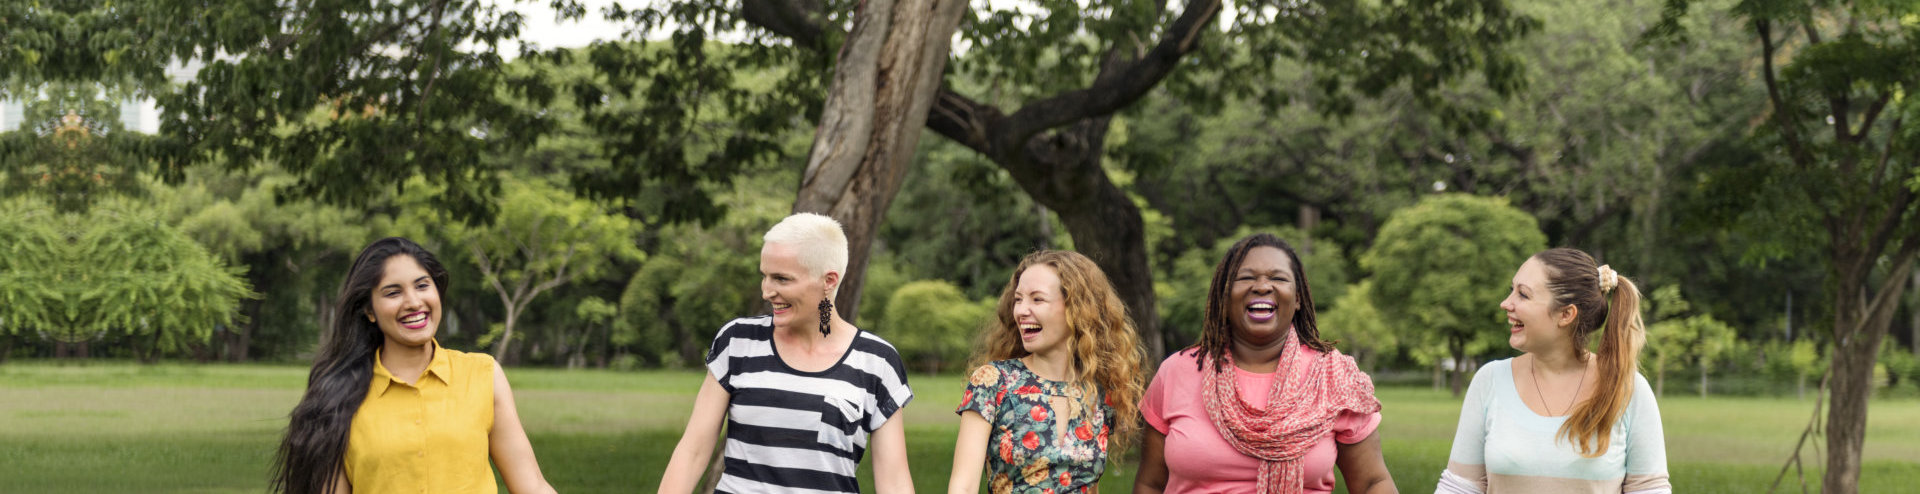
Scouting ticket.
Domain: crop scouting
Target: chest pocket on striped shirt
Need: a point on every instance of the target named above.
(849, 411)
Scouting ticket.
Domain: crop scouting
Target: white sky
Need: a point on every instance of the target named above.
(541, 28)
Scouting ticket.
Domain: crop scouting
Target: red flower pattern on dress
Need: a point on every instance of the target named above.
(1029, 424)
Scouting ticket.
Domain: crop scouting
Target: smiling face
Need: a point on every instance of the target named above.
(1039, 310)
(1263, 296)
(1533, 324)
(792, 291)
(406, 304)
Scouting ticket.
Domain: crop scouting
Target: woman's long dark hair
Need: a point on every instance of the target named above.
(315, 448)
(1216, 332)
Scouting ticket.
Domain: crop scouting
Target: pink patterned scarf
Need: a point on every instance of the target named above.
(1298, 413)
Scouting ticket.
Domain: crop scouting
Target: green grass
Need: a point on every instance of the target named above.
(114, 427)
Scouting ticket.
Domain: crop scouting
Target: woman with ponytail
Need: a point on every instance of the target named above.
(1057, 374)
(1560, 418)
(387, 409)
(1261, 404)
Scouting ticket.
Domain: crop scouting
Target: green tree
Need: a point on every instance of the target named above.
(544, 238)
(133, 274)
(596, 313)
(1359, 327)
(933, 323)
(294, 252)
(31, 289)
(704, 277)
(1441, 267)
(1680, 332)
(1062, 71)
(1839, 175)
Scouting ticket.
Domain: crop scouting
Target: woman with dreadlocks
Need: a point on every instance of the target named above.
(1261, 403)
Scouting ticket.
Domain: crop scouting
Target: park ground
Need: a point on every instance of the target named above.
(122, 427)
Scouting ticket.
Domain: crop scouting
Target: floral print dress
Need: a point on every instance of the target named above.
(1027, 453)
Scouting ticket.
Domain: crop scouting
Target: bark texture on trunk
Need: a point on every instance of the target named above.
(1861, 322)
(883, 86)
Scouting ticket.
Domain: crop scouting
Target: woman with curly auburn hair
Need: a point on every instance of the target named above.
(1261, 404)
(1056, 386)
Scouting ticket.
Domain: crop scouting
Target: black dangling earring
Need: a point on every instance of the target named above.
(826, 317)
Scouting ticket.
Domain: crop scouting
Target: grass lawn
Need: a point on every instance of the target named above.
(119, 427)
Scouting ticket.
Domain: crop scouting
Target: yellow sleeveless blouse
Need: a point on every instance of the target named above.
(425, 437)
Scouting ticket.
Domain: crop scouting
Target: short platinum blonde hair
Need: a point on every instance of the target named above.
(816, 239)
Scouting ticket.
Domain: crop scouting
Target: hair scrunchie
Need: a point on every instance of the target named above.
(1608, 279)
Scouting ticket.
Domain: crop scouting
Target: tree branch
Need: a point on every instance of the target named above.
(487, 271)
(799, 20)
(1890, 220)
(1117, 89)
(1873, 112)
(1788, 128)
(963, 120)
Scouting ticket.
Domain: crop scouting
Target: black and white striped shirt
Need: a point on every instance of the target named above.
(801, 432)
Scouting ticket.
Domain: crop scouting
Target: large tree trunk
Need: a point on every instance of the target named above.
(1861, 321)
(883, 85)
(1019, 142)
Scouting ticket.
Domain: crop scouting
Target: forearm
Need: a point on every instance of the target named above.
(685, 467)
(1379, 485)
(534, 486)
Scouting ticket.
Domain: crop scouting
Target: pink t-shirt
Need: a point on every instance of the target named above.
(1200, 460)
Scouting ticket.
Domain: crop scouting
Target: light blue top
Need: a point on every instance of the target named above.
(1503, 446)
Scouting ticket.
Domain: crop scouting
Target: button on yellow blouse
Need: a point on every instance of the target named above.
(429, 436)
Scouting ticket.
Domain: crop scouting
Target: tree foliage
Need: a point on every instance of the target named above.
(548, 240)
(1441, 267)
(933, 324)
(1841, 177)
(1359, 328)
(1682, 333)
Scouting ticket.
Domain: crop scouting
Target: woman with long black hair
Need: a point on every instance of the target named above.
(387, 409)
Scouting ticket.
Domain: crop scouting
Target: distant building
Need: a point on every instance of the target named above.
(12, 113)
(137, 115)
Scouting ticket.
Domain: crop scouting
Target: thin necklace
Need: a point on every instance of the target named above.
(1533, 369)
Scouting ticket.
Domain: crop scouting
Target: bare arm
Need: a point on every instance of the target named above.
(690, 457)
(1364, 468)
(512, 453)
(890, 474)
(1152, 477)
(969, 453)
